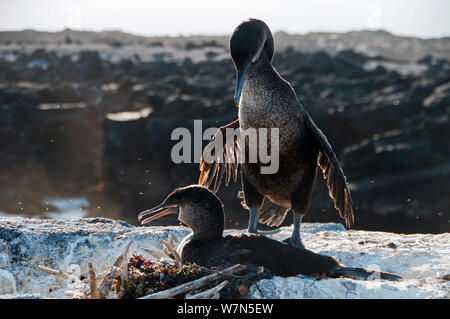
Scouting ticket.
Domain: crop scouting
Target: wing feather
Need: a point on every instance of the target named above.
(333, 174)
(225, 165)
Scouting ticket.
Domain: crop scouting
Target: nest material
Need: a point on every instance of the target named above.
(146, 277)
(137, 277)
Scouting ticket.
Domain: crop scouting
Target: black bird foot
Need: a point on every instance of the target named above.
(363, 274)
(296, 243)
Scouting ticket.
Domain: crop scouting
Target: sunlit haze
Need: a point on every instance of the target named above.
(412, 18)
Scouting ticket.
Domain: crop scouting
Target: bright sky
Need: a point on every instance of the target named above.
(422, 18)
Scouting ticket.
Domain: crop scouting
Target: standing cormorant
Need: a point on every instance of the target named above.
(266, 100)
(202, 211)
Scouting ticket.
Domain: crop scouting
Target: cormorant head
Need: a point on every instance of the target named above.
(250, 41)
(196, 206)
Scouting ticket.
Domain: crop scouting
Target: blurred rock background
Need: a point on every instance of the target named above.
(86, 118)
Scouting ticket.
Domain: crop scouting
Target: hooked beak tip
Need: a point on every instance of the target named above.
(236, 99)
(157, 212)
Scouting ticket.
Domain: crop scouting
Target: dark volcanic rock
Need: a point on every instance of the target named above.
(389, 128)
(139, 170)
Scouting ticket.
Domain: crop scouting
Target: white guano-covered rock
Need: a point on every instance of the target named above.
(7, 282)
(423, 260)
(69, 246)
(25, 243)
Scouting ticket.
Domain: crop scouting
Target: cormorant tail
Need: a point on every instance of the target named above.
(271, 214)
(363, 274)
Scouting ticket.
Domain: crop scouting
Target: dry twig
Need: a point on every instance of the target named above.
(212, 293)
(95, 293)
(105, 284)
(170, 252)
(56, 272)
(153, 251)
(114, 271)
(124, 267)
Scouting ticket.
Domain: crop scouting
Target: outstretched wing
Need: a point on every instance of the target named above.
(225, 164)
(333, 174)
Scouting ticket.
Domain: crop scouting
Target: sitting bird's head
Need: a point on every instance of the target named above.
(196, 207)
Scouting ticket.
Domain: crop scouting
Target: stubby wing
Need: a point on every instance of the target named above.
(225, 163)
(333, 174)
(279, 258)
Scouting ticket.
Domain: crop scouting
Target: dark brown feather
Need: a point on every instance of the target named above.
(333, 174)
(225, 164)
(271, 214)
(255, 250)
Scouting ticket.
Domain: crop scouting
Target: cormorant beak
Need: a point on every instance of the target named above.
(241, 73)
(158, 212)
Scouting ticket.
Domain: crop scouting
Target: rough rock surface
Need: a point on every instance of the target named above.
(69, 246)
(68, 114)
(423, 260)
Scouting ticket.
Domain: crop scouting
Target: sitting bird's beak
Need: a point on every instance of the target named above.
(158, 212)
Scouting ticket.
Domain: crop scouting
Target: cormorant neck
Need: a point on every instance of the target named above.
(206, 234)
(207, 229)
(206, 226)
(260, 67)
(204, 216)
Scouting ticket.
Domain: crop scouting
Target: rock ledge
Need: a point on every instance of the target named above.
(422, 259)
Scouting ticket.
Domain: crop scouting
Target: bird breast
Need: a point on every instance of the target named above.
(268, 107)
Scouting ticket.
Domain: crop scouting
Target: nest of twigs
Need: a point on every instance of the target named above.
(146, 277)
(138, 277)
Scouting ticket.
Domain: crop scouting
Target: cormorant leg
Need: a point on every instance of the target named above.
(296, 240)
(253, 220)
(300, 203)
(252, 201)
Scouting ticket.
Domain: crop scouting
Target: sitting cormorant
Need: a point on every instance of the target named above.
(202, 211)
(266, 100)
